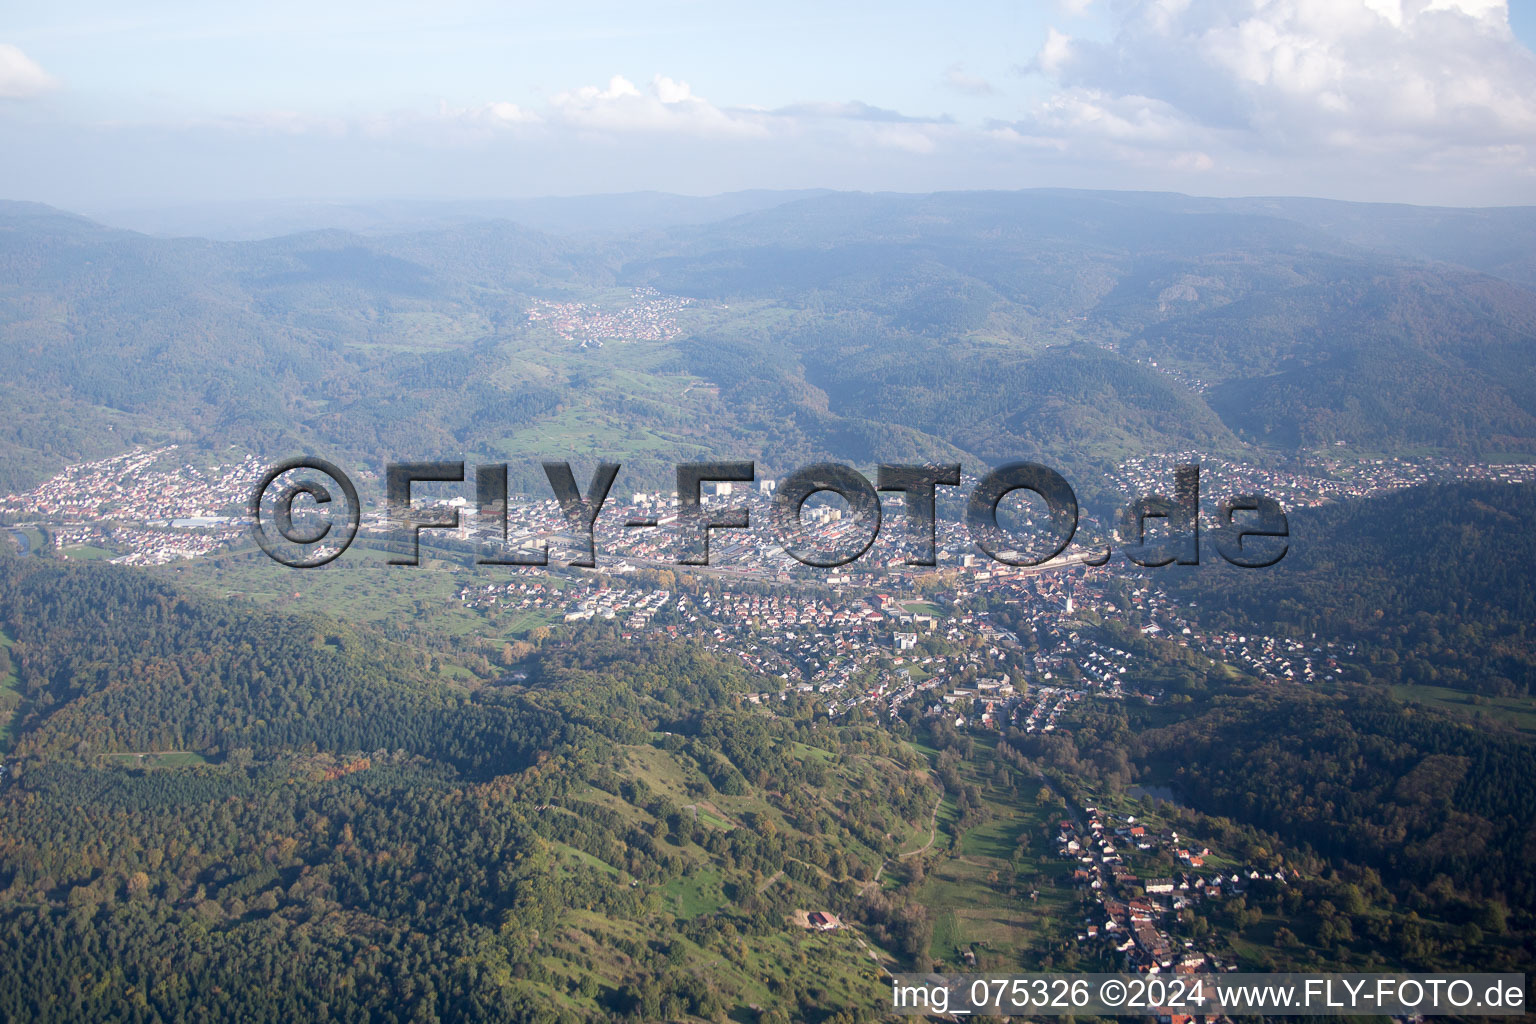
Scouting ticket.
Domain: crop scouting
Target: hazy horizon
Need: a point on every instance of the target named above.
(1430, 102)
(587, 213)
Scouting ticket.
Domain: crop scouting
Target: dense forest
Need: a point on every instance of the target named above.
(1423, 799)
(211, 810)
(1433, 582)
(1409, 831)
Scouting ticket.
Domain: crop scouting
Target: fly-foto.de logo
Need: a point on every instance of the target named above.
(305, 512)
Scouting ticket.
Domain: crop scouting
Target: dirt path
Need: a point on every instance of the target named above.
(933, 830)
(933, 834)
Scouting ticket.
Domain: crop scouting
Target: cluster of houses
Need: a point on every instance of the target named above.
(145, 485)
(773, 611)
(854, 648)
(144, 545)
(758, 552)
(1272, 657)
(1130, 912)
(649, 316)
(1189, 380)
(580, 600)
(1266, 657)
(636, 607)
(149, 505)
(848, 647)
(1048, 704)
(1330, 479)
(810, 643)
(523, 592)
(848, 635)
(856, 643)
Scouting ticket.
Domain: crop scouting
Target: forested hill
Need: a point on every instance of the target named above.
(1439, 808)
(209, 808)
(1433, 582)
(1075, 327)
(110, 660)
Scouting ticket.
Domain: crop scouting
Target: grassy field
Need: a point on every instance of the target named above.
(1519, 712)
(10, 697)
(694, 894)
(766, 970)
(363, 587)
(980, 894)
(87, 552)
(158, 759)
(712, 820)
(583, 857)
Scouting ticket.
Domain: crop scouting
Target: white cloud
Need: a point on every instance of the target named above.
(616, 111)
(852, 110)
(468, 122)
(668, 106)
(1056, 52)
(670, 91)
(507, 113)
(1407, 77)
(956, 77)
(907, 138)
(1131, 119)
(20, 75)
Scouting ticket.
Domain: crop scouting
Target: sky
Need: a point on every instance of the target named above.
(107, 105)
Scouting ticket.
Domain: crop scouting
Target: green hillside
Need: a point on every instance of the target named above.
(1076, 327)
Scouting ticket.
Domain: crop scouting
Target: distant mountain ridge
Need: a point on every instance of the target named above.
(1055, 324)
(1499, 241)
(621, 212)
